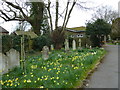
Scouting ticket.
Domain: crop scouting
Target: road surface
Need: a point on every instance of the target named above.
(106, 75)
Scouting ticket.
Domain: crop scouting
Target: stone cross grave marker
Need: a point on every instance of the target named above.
(45, 53)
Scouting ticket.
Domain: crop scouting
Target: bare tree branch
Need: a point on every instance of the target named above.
(70, 12)
(17, 7)
(56, 20)
(49, 13)
(66, 13)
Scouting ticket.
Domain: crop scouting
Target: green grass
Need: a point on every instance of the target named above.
(61, 70)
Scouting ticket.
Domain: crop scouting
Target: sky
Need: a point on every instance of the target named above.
(78, 17)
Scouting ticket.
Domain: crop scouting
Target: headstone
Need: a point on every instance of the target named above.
(74, 45)
(90, 47)
(52, 47)
(80, 42)
(45, 53)
(66, 45)
(3, 64)
(87, 46)
(109, 37)
(13, 58)
(104, 39)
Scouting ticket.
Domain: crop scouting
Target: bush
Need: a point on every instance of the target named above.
(12, 41)
(41, 41)
(6, 43)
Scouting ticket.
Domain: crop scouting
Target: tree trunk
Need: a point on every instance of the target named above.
(56, 21)
(36, 29)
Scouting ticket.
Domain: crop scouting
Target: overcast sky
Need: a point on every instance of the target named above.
(78, 17)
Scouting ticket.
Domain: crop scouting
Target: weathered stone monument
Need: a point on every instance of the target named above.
(45, 53)
(104, 39)
(74, 45)
(79, 42)
(3, 63)
(66, 45)
(9, 61)
(14, 58)
(90, 47)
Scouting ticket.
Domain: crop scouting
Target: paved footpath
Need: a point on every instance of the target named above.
(106, 75)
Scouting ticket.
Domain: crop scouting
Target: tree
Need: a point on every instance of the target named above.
(17, 12)
(96, 30)
(115, 28)
(105, 13)
(65, 15)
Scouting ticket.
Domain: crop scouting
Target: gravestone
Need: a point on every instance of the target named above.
(80, 42)
(52, 47)
(45, 53)
(66, 45)
(87, 46)
(104, 39)
(9, 61)
(3, 64)
(13, 58)
(74, 45)
(90, 47)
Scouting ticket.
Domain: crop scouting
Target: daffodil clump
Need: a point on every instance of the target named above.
(61, 70)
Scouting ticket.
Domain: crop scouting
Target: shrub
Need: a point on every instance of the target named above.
(12, 41)
(41, 41)
(6, 43)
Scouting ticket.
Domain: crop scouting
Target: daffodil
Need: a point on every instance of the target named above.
(11, 84)
(29, 81)
(38, 79)
(57, 77)
(25, 81)
(41, 87)
(16, 79)
(31, 75)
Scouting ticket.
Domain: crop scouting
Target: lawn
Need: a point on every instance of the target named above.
(61, 70)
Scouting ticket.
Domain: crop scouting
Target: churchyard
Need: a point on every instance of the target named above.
(40, 53)
(61, 70)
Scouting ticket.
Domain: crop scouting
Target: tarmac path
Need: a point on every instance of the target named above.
(106, 75)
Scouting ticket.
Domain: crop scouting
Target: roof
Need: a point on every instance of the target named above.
(29, 33)
(78, 28)
(2, 30)
(76, 31)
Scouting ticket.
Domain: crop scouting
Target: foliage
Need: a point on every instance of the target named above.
(6, 43)
(84, 41)
(97, 29)
(115, 28)
(12, 41)
(61, 70)
(41, 41)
